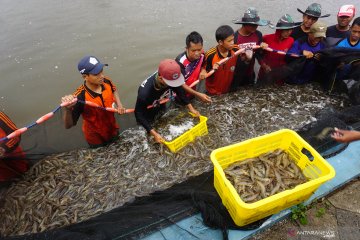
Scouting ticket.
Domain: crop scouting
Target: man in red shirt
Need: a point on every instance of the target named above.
(280, 40)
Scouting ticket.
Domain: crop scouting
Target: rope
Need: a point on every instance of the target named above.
(283, 52)
(49, 115)
(40, 120)
(211, 72)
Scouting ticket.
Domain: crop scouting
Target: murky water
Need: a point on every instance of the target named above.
(41, 42)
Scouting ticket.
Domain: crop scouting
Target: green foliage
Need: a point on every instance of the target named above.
(299, 213)
(320, 212)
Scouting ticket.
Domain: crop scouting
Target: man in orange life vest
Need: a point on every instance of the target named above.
(12, 163)
(99, 126)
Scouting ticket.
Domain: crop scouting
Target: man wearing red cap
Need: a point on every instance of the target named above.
(341, 30)
(168, 78)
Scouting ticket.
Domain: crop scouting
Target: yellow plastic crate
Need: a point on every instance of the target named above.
(316, 169)
(199, 129)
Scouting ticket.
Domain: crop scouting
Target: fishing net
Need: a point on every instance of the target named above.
(147, 214)
(318, 133)
(133, 186)
(37, 141)
(336, 67)
(49, 137)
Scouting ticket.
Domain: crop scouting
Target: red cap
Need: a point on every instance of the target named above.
(170, 71)
(346, 10)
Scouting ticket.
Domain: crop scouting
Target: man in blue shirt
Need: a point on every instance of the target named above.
(308, 46)
(352, 41)
(347, 70)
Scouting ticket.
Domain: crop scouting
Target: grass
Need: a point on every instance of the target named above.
(299, 213)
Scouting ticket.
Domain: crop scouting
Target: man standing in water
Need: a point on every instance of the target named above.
(160, 85)
(308, 46)
(353, 40)
(310, 16)
(12, 158)
(346, 71)
(247, 37)
(220, 82)
(280, 40)
(190, 62)
(99, 126)
(340, 30)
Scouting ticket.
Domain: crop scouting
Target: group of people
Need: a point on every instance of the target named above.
(224, 68)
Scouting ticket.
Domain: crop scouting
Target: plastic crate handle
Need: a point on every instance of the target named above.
(307, 153)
